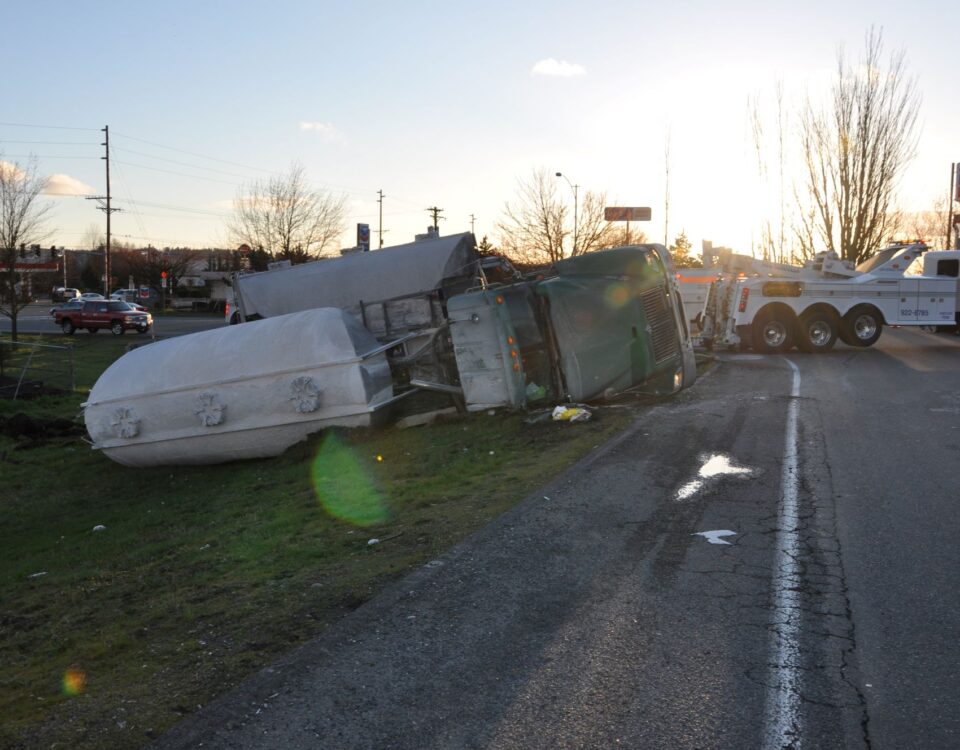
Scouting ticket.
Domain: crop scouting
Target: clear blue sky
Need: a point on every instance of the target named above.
(436, 103)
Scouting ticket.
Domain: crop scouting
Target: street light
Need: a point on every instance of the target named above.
(574, 188)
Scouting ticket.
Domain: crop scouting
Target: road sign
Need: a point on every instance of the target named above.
(363, 237)
(627, 213)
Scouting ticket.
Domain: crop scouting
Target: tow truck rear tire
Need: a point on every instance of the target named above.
(818, 331)
(772, 332)
(861, 326)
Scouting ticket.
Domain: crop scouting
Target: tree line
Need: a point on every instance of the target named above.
(854, 146)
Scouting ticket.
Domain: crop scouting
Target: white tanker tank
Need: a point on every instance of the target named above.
(238, 392)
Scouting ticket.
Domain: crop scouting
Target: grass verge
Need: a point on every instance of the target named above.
(201, 575)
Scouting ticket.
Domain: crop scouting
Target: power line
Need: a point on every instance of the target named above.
(193, 153)
(49, 143)
(49, 127)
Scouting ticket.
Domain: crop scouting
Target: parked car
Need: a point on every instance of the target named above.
(115, 315)
(91, 295)
(62, 294)
(71, 304)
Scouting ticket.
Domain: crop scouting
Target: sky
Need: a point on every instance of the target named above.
(444, 104)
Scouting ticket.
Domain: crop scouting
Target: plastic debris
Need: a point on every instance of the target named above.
(37, 575)
(535, 392)
(571, 414)
(99, 527)
(371, 542)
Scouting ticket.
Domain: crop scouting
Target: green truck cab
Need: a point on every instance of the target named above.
(594, 326)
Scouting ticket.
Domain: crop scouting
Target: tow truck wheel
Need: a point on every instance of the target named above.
(861, 326)
(116, 328)
(818, 332)
(772, 332)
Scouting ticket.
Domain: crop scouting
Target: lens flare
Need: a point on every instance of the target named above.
(344, 487)
(617, 295)
(74, 681)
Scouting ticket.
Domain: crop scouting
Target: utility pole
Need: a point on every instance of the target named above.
(380, 201)
(104, 205)
(472, 220)
(435, 212)
(953, 194)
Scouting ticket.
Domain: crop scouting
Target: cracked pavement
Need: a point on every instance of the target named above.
(592, 615)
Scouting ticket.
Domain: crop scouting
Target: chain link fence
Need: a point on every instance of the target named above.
(29, 369)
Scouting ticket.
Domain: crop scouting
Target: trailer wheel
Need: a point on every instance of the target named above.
(861, 326)
(818, 331)
(772, 332)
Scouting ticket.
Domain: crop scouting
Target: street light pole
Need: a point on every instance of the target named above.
(574, 188)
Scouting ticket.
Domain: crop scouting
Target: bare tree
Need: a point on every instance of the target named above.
(286, 217)
(855, 149)
(593, 231)
(532, 228)
(618, 235)
(94, 238)
(147, 265)
(931, 226)
(22, 222)
(536, 225)
(772, 243)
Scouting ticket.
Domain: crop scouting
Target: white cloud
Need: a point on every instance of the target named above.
(64, 184)
(562, 68)
(325, 129)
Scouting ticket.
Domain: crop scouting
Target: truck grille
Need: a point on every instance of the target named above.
(663, 332)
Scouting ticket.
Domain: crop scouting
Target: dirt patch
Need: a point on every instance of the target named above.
(23, 426)
(28, 389)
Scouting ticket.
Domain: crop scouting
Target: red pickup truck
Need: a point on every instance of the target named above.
(103, 313)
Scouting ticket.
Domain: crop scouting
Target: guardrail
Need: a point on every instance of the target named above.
(28, 368)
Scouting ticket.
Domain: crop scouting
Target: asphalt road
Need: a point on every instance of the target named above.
(36, 319)
(594, 615)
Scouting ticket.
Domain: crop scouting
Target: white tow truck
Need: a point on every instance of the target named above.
(772, 307)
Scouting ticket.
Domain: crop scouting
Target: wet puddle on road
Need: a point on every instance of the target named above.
(714, 465)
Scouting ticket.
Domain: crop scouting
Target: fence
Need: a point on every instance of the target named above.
(28, 369)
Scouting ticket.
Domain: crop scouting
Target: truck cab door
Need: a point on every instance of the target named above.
(909, 309)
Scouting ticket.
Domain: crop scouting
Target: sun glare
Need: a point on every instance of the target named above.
(345, 489)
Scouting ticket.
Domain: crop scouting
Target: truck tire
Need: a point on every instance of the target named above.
(68, 327)
(818, 331)
(116, 328)
(772, 332)
(861, 326)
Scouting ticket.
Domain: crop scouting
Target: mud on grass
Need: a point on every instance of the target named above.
(202, 575)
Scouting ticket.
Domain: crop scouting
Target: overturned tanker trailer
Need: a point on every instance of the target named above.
(172, 402)
(587, 328)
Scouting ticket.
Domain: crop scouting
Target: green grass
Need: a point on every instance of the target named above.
(204, 574)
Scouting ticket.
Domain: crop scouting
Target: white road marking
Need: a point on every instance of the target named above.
(782, 715)
(716, 536)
